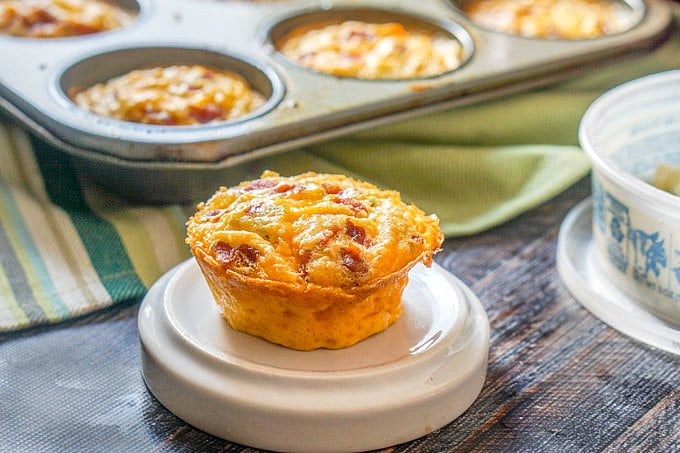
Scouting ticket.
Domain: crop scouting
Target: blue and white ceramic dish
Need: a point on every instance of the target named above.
(626, 133)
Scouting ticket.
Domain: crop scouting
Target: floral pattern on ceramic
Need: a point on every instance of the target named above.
(598, 206)
(650, 257)
(618, 222)
(626, 134)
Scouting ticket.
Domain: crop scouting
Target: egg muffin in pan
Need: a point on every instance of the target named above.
(60, 18)
(171, 96)
(552, 19)
(372, 50)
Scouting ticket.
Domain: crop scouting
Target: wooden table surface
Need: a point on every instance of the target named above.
(558, 379)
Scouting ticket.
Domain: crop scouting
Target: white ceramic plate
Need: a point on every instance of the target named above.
(413, 378)
(588, 280)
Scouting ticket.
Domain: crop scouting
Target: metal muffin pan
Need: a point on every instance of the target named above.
(303, 106)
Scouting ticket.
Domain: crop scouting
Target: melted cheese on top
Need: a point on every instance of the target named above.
(328, 230)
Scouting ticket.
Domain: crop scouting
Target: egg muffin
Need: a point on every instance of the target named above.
(557, 19)
(60, 18)
(310, 261)
(372, 51)
(171, 96)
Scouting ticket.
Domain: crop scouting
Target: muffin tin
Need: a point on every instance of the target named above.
(303, 106)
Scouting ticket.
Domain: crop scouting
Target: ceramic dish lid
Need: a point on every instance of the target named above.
(413, 378)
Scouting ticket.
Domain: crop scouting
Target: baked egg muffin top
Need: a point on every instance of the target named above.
(60, 18)
(372, 51)
(313, 229)
(171, 95)
(561, 19)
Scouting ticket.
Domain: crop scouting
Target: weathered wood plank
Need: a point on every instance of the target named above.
(658, 429)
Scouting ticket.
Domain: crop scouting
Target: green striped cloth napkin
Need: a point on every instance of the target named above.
(67, 249)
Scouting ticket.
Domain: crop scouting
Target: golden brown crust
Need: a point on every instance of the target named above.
(171, 95)
(310, 261)
(60, 18)
(302, 320)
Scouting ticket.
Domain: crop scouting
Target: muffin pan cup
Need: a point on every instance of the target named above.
(303, 107)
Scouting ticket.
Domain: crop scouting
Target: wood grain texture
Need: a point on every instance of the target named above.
(558, 379)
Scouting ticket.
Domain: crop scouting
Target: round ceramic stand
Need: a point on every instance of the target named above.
(587, 280)
(413, 378)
